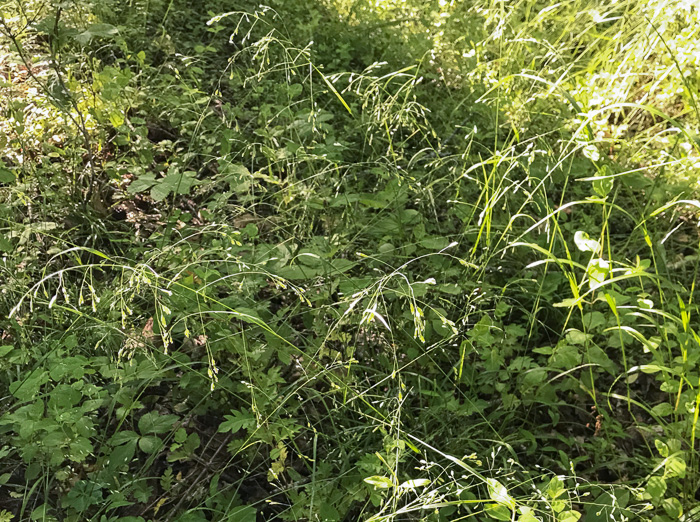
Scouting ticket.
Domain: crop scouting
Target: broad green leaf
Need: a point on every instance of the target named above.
(527, 514)
(577, 337)
(499, 512)
(656, 487)
(585, 243)
(141, 184)
(598, 270)
(6, 176)
(116, 119)
(674, 467)
(568, 516)
(379, 482)
(150, 444)
(661, 447)
(555, 488)
(160, 191)
(242, 514)
(662, 409)
(499, 494)
(180, 182)
(603, 183)
(155, 423)
(673, 508)
(96, 31)
(122, 437)
(28, 385)
(294, 90)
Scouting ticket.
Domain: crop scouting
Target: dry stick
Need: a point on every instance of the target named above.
(197, 479)
(164, 494)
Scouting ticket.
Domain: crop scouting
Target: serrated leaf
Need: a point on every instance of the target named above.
(239, 420)
(150, 444)
(154, 423)
(141, 184)
(121, 455)
(160, 191)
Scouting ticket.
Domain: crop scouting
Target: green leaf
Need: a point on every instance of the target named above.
(566, 303)
(527, 515)
(141, 184)
(661, 447)
(585, 243)
(154, 423)
(499, 512)
(242, 514)
(180, 436)
(673, 508)
(675, 467)
(656, 488)
(239, 420)
(96, 31)
(598, 270)
(662, 409)
(569, 516)
(150, 444)
(121, 455)
(24, 389)
(602, 184)
(555, 488)
(181, 183)
(160, 191)
(83, 495)
(6, 176)
(379, 482)
(294, 90)
(499, 494)
(116, 119)
(565, 357)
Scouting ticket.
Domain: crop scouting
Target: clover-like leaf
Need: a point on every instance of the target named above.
(585, 243)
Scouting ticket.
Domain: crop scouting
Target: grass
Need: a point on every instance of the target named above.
(437, 264)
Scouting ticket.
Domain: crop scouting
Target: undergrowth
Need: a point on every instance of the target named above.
(375, 261)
